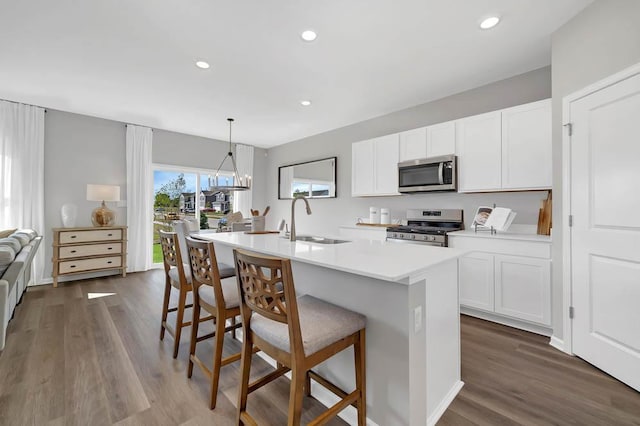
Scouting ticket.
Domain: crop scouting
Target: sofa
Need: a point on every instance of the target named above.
(17, 251)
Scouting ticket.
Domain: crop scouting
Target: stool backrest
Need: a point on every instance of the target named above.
(204, 268)
(266, 288)
(171, 252)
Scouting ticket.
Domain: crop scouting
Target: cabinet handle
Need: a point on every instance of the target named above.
(109, 235)
(73, 251)
(110, 262)
(73, 236)
(109, 248)
(72, 266)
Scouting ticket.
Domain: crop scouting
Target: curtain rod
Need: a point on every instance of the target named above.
(22, 103)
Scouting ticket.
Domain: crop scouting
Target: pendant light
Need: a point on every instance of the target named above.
(239, 184)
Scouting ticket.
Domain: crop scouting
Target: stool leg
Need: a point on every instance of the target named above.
(307, 384)
(361, 383)
(296, 393)
(195, 322)
(165, 306)
(245, 371)
(217, 358)
(182, 300)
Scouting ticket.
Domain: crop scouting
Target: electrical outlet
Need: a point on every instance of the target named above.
(417, 319)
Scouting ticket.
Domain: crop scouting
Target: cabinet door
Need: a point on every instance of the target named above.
(523, 288)
(476, 281)
(441, 139)
(479, 148)
(362, 164)
(526, 146)
(413, 144)
(386, 165)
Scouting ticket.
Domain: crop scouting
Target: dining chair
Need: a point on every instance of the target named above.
(299, 333)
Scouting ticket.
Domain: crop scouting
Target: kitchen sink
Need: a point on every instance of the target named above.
(320, 240)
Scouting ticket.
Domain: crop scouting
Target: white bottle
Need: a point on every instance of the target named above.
(385, 218)
(374, 215)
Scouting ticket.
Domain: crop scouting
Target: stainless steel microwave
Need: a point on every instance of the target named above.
(429, 174)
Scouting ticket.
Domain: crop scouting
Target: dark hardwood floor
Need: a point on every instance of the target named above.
(75, 360)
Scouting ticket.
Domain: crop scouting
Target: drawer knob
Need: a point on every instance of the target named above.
(73, 236)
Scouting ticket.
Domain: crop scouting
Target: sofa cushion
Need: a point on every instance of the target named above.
(7, 232)
(22, 238)
(28, 232)
(14, 243)
(7, 254)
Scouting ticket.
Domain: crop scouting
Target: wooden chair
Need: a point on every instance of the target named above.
(315, 330)
(220, 299)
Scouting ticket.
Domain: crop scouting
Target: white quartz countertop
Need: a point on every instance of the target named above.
(521, 236)
(376, 259)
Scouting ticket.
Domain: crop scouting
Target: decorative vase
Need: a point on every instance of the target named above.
(69, 214)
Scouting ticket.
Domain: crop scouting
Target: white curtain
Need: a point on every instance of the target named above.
(242, 200)
(139, 198)
(22, 172)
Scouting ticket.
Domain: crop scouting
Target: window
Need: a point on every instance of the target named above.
(308, 188)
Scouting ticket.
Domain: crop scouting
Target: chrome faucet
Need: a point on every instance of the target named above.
(292, 235)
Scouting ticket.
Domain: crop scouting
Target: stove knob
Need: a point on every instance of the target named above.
(394, 235)
(413, 237)
(432, 238)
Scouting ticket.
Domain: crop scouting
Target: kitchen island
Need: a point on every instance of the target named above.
(409, 294)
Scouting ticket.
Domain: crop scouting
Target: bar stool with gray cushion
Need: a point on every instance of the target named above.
(184, 228)
(299, 333)
(218, 298)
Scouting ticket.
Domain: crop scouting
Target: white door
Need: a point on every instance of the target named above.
(605, 237)
(441, 139)
(479, 148)
(362, 164)
(413, 144)
(526, 146)
(476, 281)
(523, 288)
(386, 168)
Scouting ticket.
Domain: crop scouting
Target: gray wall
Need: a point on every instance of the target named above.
(600, 41)
(80, 149)
(329, 214)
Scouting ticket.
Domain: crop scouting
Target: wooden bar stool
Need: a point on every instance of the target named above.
(299, 333)
(218, 298)
(178, 277)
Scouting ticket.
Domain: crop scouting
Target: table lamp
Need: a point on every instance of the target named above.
(103, 216)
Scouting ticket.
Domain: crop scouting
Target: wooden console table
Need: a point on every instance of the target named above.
(82, 250)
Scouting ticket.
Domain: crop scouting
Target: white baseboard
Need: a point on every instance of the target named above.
(510, 322)
(444, 404)
(558, 344)
(327, 398)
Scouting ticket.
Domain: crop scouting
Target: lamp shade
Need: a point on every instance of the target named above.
(103, 192)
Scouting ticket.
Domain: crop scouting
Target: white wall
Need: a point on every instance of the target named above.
(80, 149)
(329, 214)
(600, 41)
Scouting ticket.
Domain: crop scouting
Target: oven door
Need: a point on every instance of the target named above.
(431, 174)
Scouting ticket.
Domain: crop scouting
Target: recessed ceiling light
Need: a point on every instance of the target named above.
(305, 103)
(202, 64)
(489, 22)
(309, 35)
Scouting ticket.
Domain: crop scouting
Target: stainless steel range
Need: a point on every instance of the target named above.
(427, 227)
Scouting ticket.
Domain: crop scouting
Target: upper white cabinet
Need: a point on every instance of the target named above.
(479, 150)
(526, 146)
(374, 166)
(505, 150)
(413, 144)
(441, 139)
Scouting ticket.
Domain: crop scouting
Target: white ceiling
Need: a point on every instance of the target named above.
(133, 61)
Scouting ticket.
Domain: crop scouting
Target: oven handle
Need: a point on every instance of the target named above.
(441, 172)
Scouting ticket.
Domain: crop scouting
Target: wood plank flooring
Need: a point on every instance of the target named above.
(75, 360)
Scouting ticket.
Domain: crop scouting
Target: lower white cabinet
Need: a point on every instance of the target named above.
(497, 285)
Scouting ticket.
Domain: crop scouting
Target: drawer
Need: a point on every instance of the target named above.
(70, 237)
(89, 264)
(89, 250)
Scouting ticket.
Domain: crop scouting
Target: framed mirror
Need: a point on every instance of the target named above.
(313, 179)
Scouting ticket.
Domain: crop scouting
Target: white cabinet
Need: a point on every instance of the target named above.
(479, 150)
(505, 150)
(374, 166)
(413, 144)
(476, 281)
(526, 146)
(441, 139)
(523, 288)
(506, 278)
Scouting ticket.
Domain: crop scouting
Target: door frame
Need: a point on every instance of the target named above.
(567, 284)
